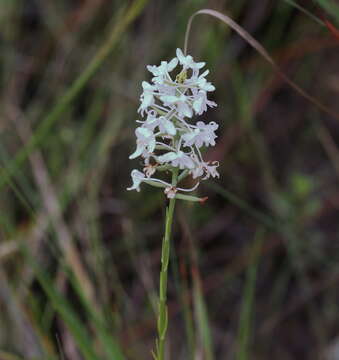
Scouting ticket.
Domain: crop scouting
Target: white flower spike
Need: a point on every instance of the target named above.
(167, 139)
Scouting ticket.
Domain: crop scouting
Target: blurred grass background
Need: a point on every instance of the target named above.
(254, 272)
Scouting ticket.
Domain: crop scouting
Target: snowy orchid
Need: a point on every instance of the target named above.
(167, 139)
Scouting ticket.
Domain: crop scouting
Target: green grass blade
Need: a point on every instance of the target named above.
(60, 304)
(248, 301)
(110, 346)
(63, 104)
(202, 319)
(264, 219)
(182, 288)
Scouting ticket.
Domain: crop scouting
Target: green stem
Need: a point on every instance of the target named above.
(165, 254)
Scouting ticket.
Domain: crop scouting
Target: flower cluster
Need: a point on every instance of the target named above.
(166, 139)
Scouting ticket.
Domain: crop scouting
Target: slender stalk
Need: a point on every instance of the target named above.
(165, 254)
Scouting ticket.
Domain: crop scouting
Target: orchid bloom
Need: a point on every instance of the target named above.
(168, 139)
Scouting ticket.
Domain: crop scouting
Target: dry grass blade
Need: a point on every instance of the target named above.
(26, 338)
(74, 90)
(305, 11)
(255, 44)
(51, 204)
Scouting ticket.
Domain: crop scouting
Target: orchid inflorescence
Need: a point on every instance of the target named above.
(166, 140)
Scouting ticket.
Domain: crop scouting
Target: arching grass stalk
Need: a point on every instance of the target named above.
(261, 50)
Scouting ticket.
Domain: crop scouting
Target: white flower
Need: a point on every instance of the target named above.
(211, 170)
(202, 134)
(183, 107)
(205, 85)
(145, 141)
(183, 161)
(165, 126)
(200, 102)
(207, 130)
(207, 168)
(147, 97)
(188, 62)
(193, 138)
(161, 72)
(177, 159)
(137, 178)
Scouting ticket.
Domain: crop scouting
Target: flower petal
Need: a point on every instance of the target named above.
(199, 65)
(169, 99)
(169, 127)
(180, 56)
(137, 178)
(170, 156)
(147, 100)
(172, 64)
(142, 131)
(185, 110)
(147, 86)
(137, 152)
(151, 145)
(197, 105)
